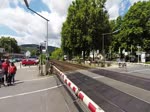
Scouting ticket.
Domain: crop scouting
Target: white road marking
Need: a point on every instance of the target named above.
(135, 71)
(97, 77)
(37, 79)
(32, 92)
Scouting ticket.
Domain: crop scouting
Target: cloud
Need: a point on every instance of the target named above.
(113, 11)
(4, 4)
(113, 7)
(31, 28)
(58, 6)
(24, 23)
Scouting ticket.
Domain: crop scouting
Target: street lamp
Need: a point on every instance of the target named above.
(103, 43)
(27, 5)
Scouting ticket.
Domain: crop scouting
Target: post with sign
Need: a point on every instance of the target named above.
(143, 56)
(28, 54)
(41, 63)
(27, 5)
(138, 53)
(44, 52)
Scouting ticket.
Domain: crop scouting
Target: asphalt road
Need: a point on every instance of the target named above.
(33, 93)
(116, 89)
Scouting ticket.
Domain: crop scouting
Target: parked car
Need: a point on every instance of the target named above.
(29, 62)
(18, 59)
(133, 59)
(12, 60)
(35, 59)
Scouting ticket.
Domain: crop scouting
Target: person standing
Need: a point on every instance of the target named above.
(1, 76)
(0, 62)
(11, 71)
(5, 66)
(15, 69)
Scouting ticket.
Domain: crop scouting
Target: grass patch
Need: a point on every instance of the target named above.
(148, 62)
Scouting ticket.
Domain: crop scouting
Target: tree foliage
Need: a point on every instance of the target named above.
(33, 53)
(10, 44)
(86, 21)
(135, 28)
(57, 54)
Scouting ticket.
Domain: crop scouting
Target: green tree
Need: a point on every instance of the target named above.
(10, 44)
(82, 31)
(33, 53)
(135, 28)
(116, 25)
(57, 54)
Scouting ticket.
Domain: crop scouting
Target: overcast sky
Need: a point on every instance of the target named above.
(28, 28)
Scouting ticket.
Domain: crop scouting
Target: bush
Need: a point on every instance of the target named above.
(57, 54)
(148, 62)
(78, 60)
(109, 64)
(42, 58)
(102, 64)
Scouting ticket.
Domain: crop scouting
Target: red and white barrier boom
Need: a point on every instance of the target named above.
(92, 106)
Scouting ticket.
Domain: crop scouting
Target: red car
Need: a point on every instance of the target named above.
(29, 62)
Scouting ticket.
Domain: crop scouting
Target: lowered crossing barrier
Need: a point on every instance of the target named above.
(92, 106)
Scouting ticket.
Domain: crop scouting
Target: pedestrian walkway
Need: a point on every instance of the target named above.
(34, 93)
(132, 69)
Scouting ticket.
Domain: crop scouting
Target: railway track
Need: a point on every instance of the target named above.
(65, 66)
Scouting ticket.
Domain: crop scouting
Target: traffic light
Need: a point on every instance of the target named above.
(39, 50)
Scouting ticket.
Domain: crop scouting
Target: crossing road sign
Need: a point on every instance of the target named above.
(28, 54)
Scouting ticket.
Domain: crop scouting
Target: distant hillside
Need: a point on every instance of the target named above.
(26, 47)
(29, 45)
